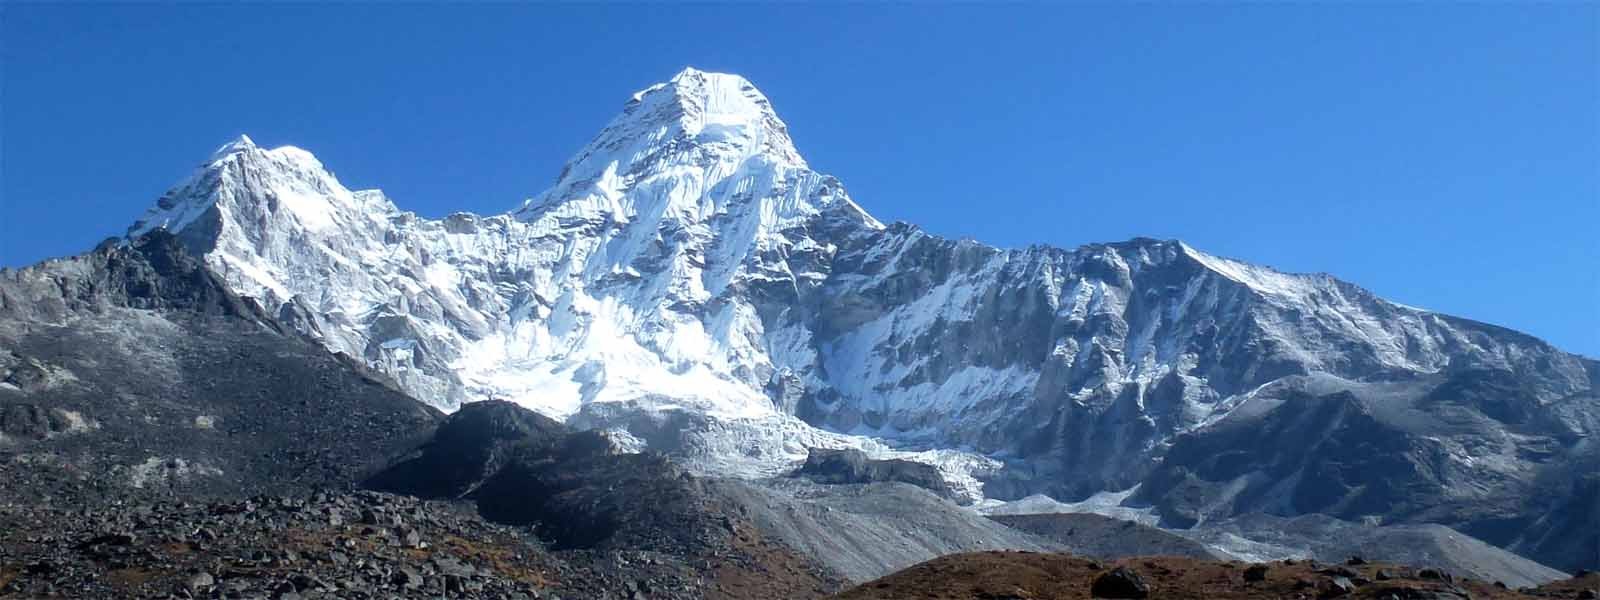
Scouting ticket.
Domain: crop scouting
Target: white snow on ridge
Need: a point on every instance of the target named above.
(1266, 280)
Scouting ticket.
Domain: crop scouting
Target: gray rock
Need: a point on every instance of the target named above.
(201, 581)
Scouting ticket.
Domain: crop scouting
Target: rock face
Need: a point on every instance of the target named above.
(689, 280)
(522, 468)
(469, 449)
(854, 466)
(132, 370)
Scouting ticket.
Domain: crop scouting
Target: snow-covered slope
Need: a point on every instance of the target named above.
(691, 280)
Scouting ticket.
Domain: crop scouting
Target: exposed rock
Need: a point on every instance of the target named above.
(854, 466)
(1120, 582)
(1257, 572)
(201, 581)
(1338, 586)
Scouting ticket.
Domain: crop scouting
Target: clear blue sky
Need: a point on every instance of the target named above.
(1442, 155)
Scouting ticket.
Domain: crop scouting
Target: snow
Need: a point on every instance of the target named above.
(1105, 503)
(261, 282)
(312, 212)
(239, 144)
(157, 470)
(1248, 550)
(1262, 279)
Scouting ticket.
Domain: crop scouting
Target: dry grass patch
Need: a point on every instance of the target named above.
(8, 574)
(501, 559)
(131, 578)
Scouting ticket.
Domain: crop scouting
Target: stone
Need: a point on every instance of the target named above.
(1340, 571)
(1256, 572)
(201, 581)
(406, 577)
(1120, 582)
(453, 584)
(1338, 586)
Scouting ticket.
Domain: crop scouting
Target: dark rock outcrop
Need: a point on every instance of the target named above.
(580, 494)
(1120, 582)
(849, 465)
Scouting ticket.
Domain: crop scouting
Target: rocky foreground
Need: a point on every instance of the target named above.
(1045, 576)
(376, 545)
(360, 545)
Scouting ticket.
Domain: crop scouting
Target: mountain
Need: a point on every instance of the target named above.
(624, 297)
(689, 284)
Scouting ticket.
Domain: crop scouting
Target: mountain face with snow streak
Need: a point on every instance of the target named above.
(690, 281)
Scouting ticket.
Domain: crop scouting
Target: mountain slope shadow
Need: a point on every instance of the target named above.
(580, 493)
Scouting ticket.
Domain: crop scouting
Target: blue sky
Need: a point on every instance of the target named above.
(1443, 155)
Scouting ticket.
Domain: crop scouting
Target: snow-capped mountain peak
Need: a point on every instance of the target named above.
(259, 186)
(719, 108)
(705, 143)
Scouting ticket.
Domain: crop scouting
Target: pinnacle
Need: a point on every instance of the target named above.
(241, 143)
